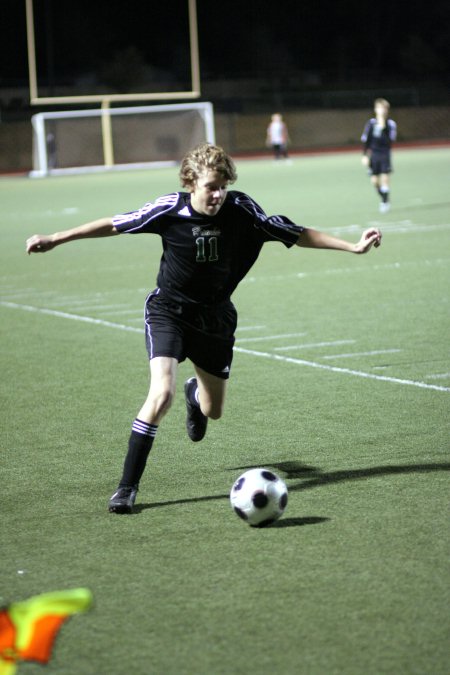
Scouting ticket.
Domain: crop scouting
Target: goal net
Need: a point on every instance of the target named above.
(83, 141)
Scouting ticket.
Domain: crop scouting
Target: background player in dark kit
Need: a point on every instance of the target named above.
(211, 237)
(378, 135)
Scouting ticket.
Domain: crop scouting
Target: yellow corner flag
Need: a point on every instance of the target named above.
(28, 629)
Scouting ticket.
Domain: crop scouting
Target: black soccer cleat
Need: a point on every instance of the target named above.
(123, 500)
(196, 421)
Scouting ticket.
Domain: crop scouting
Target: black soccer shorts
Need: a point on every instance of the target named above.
(380, 162)
(203, 334)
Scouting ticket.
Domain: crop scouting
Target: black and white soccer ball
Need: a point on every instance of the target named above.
(259, 497)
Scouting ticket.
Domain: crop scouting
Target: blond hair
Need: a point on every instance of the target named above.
(382, 101)
(206, 157)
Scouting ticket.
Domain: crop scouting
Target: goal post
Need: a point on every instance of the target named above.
(105, 139)
(36, 35)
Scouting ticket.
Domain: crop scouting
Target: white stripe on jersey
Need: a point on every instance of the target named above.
(390, 124)
(283, 226)
(287, 226)
(281, 221)
(250, 206)
(163, 204)
(392, 130)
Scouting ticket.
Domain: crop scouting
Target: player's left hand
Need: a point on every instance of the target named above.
(369, 238)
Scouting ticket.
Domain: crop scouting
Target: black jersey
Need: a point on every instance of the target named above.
(205, 257)
(377, 138)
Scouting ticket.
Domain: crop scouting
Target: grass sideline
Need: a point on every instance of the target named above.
(341, 383)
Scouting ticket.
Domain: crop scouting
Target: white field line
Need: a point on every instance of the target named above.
(74, 317)
(438, 376)
(335, 369)
(270, 337)
(88, 307)
(118, 312)
(240, 329)
(354, 269)
(251, 352)
(312, 345)
(374, 352)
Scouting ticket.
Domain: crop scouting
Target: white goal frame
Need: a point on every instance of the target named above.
(41, 165)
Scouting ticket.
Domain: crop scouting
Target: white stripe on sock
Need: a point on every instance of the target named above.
(144, 428)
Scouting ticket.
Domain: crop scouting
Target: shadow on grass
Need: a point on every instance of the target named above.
(284, 522)
(314, 477)
(299, 522)
(191, 500)
(311, 477)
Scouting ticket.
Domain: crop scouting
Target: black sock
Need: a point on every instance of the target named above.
(139, 446)
(384, 194)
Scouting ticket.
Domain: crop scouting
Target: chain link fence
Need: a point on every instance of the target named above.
(318, 129)
(245, 133)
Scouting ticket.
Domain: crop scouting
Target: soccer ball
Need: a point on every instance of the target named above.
(259, 497)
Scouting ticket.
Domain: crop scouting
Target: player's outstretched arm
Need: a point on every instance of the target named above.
(310, 238)
(40, 243)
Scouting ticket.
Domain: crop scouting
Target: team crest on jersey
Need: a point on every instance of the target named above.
(199, 231)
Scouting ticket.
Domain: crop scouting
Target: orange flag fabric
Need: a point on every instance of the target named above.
(28, 629)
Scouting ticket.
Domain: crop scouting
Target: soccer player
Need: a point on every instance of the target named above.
(277, 136)
(211, 237)
(378, 135)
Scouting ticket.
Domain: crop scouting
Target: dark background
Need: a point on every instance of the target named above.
(296, 46)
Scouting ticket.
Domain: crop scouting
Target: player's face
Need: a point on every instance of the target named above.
(209, 192)
(381, 110)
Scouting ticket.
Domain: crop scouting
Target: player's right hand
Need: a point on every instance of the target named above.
(39, 243)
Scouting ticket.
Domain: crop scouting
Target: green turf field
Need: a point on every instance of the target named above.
(341, 383)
